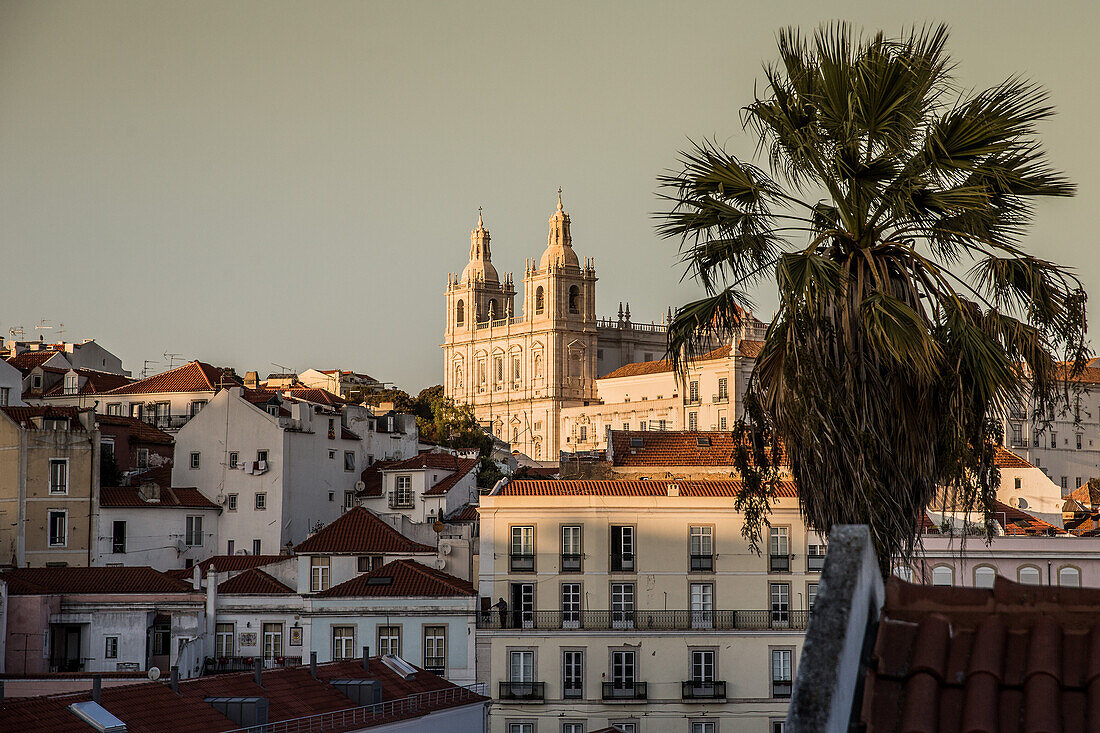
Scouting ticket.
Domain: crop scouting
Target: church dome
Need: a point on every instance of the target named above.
(559, 243)
(480, 266)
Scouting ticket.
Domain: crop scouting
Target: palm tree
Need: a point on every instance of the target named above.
(886, 366)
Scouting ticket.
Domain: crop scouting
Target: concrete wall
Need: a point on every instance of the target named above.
(155, 536)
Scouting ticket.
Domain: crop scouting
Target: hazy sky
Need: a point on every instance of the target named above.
(258, 182)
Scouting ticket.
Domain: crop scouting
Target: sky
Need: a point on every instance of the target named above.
(271, 183)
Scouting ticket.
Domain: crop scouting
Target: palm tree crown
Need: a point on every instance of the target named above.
(886, 365)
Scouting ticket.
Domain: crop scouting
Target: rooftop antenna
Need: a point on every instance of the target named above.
(286, 369)
(17, 333)
(145, 367)
(43, 327)
(171, 358)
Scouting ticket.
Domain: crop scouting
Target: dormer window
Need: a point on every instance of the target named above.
(36, 381)
(55, 423)
(72, 384)
(273, 410)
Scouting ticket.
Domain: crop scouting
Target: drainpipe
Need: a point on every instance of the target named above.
(211, 612)
(93, 486)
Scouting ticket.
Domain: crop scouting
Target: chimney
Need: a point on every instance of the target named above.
(312, 669)
(258, 668)
(196, 577)
(97, 681)
(211, 605)
(366, 658)
(175, 684)
(251, 380)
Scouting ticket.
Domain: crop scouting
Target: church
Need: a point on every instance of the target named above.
(519, 371)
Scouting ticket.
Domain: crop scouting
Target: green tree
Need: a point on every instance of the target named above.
(886, 365)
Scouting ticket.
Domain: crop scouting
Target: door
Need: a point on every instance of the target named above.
(781, 604)
(702, 605)
(622, 605)
(65, 648)
(622, 673)
(570, 605)
(523, 605)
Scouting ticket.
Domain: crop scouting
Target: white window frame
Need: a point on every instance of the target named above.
(260, 501)
(320, 573)
(64, 514)
(59, 487)
(195, 461)
(343, 645)
(193, 535)
(389, 639)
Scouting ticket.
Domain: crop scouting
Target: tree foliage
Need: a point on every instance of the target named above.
(892, 217)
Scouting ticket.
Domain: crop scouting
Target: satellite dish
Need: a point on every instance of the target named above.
(360, 485)
(154, 673)
(437, 526)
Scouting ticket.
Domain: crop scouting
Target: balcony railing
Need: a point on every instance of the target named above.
(526, 691)
(815, 563)
(624, 691)
(217, 665)
(572, 690)
(781, 688)
(713, 690)
(622, 562)
(779, 563)
(702, 562)
(522, 563)
(657, 620)
(570, 563)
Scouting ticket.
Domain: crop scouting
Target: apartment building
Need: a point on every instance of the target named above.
(11, 385)
(638, 603)
(49, 486)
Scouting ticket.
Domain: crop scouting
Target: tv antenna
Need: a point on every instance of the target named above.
(171, 358)
(43, 327)
(286, 369)
(145, 367)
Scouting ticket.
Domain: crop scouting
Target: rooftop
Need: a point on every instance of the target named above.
(94, 382)
(129, 496)
(22, 415)
(140, 430)
(254, 582)
(658, 487)
(673, 448)
(402, 578)
(194, 376)
(229, 564)
(358, 530)
(94, 580)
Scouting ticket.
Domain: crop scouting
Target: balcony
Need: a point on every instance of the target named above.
(217, 665)
(781, 688)
(657, 620)
(523, 691)
(815, 563)
(400, 500)
(571, 563)
(572, 690)
(624, 690)
(521, 563)
(622, 563)
(702, 563)
(713, 690)
(779, 563)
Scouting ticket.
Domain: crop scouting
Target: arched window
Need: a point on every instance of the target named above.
(983, 576)
(574, 299)
(539, 300)
(1028, 575)
(1069, 577)
(943, 575)
(460, 313)
(538, 365)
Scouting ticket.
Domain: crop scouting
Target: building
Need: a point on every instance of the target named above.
(519, 371)
(167, 400)
(380, 695)
(134, 444)
(638, 603)
(352, 386)
(49, 486)
(96, 619)
(11, 385)
(424, 488)
(86, 354)
(257, 615)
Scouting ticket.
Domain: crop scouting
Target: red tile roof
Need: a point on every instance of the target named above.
(94, 383)
(194, 376)
(750, 347)
(660, 487)
(664, 365)
(127, 496)
(95, 580)
(466, 513)
(1016, 522)
(1088, 375)
(140, 431)
(673, 448)
(1004, 458)
(372, 478)
(315, 395)
(445, 484)
(22, 415)
(1088, 494)
(403, 578)
(357, 531)
(228, 564)
(424, 460)
(254, 582)
(1010, 658)
(28, 360)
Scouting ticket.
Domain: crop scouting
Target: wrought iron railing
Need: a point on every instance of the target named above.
(815, 563)
(383, 712)
(658, 620)
(702, 562)
(713, 690)
(779, 563)
(624, 691)
(522, 562)
(570, 562)
(525, 691)
(217, 665)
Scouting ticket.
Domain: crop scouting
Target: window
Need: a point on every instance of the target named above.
(1065, 482)
(622, 548)
(521, 666)
(779, 549)
(693, 421)
(234, 459)
(498, 369)
(943, 575)
(702, 665)
(193, 535)
(460, 313)
(723, 388)
(223, 640)
(5, 395)
(1078, 482)
(521, 728)
(318, 574)
(523, 549)
(1028, 575)
(721, 422)
(1078, 441)
(1018, 483)
(701, 547)
(702, 605)
(1069, 577)
(811, 595)
(366, 563)
(623, 669)
(256, 547)
(625, 726)
(622, 605)
(59, 475)
(273, 640)
(904, 572)
(983, 576)
(143, 458)
(349, 460)
(517, 370)
(1054, 440)
(1017, 433)
(261, 501)
(435, 649)
(570, 605)
(110, 647)
(572, 674)
(572, 728)
(349, 499)
(781, 672)
(574, 299)
(693, 391)
(229, 546)
(583, 432)
(197, 405)
(402, 493)
(780, 594)
(389, 640)
(72, 384)
(58, 526)
(196, 458)
(815, 558)
(261, 455)
(343, 642)
(114, 408)
(571, 549)
(231, 502)
(36, 381)
(704, 726)
(118, 537)
(539, 300)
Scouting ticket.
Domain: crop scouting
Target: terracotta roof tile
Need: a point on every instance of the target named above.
(229, 564)
(1017, 522)
(1004, 458)
(750, 348)
(1010, 658)
(467, 513)
(194, 376)
(372, 478)
(28, 360)
(170, 498)
(673, 448)
(571, 487)
(358, 530)
(22, 415)
(640, 368)
(254, 582)
(404, 578)
(424, 460)
(94, 383)
(110, 580)
(445, 484)
(140, 431)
